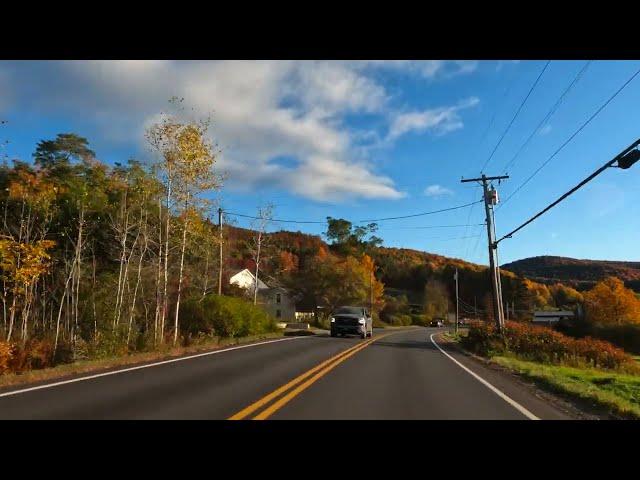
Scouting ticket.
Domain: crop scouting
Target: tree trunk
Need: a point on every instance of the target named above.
(64, 295)
(166, 262)
(184, 243)
(135, 291)
(158, 275)
(255, 287)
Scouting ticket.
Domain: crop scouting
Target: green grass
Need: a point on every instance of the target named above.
(619, 393)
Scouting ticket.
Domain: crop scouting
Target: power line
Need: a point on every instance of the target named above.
(549, 114)
(451, 238)
(434, 226)
(495, 112)
(371, 220)
(515, 116)
(594, 115)
(624, 161)
(482, 138)
(420, 214)
(274, 219)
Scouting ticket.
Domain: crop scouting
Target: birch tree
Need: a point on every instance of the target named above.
(187, 160)
(259, 226)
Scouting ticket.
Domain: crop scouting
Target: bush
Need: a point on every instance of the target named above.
(399, 320)
(419, 319)
(626, 336)
(35, 354)
(224, 317)
(6, 355)
(546, 345)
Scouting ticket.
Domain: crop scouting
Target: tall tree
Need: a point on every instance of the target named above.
(259, 227)
(187, 159)
(609, 302)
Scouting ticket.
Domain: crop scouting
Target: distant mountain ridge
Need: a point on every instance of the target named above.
(579, 273)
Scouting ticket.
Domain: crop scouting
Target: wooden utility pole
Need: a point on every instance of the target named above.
(457, 303)
(490, 199)
(371, 292)
(220, 242)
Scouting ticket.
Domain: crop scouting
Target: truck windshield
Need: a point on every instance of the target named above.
(349, 310)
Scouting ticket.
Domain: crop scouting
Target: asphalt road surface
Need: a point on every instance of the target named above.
(397, 375)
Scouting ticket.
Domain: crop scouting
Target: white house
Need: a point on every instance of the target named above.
(245, 279)
(274, 298)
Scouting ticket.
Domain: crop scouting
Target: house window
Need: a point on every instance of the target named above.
(277, 298)
(278, 314)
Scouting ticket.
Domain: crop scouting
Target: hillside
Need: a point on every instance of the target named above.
(580, 274)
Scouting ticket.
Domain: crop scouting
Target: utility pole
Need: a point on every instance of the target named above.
(371, 292)
(220, 242)
(490, 199)
(457, 303)
(475, 308)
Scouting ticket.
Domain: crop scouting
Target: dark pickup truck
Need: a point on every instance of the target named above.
(351, 320)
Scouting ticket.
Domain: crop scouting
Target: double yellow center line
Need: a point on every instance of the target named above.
(298, 385)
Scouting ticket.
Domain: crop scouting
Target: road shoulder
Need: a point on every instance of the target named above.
(90, 368)
(542, 403)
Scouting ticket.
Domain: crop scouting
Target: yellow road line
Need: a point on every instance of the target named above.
(266, 413)
(267, 398)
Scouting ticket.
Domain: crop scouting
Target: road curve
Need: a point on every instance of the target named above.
(400, 375)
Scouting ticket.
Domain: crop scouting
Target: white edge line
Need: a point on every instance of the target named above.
(507, 399)
(139, 367)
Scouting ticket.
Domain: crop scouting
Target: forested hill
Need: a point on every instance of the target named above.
(580, 274)
(401, 270)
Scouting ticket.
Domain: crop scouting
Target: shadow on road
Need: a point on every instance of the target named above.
(412, 344)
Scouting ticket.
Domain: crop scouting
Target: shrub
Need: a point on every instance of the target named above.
(399, 320)
(544, 344)
(34, 354)
(6, 355)
(225, 317)
(419, 319)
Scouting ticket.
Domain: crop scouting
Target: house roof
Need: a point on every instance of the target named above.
(245, 272)
(564, 313)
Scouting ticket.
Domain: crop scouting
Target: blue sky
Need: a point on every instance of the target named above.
(361, 140)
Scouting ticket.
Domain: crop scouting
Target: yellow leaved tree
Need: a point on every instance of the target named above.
(609, 302)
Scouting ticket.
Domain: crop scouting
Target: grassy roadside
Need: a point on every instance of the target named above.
(95, 366)
(617, 393)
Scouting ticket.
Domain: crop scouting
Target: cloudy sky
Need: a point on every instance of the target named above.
(370, 139)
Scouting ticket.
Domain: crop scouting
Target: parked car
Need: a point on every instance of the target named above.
(351, 320)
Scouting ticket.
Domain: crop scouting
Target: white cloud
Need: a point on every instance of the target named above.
(260, 110)
(546, 129)
(437, 120)
(437, 191)
(429, 68)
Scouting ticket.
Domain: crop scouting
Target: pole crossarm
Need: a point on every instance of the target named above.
(498, 177)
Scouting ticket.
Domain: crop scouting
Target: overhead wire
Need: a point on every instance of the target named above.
(566, 142)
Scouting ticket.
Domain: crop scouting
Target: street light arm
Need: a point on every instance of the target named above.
(621, 156)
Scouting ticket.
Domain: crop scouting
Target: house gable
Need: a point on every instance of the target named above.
(245, 279)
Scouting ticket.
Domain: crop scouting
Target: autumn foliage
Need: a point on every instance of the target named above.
(610, 303)
(544, 344)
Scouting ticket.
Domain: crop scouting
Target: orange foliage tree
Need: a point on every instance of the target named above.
(609, 302)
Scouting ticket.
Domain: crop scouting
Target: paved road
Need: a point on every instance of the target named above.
(401, 375)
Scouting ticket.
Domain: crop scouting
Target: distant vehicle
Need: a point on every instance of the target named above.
(351, 320)
(437, 323)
